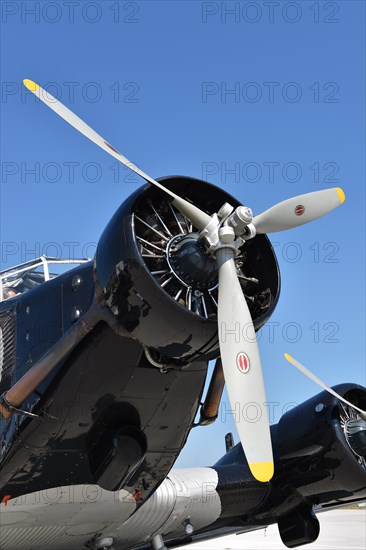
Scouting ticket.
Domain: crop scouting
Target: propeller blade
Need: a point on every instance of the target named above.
(199, 218)
(298, 210)
(317, 380)
(242, 369)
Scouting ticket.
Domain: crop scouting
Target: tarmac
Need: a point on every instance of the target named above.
(339, 529)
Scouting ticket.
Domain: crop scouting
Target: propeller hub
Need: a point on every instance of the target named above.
(190, 263)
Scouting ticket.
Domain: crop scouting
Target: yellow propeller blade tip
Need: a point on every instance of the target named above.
(262, 471)
(288, 357)
(32, 86)
(341, 195)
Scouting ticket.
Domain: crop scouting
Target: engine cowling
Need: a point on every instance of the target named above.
(322, 455)
(158, 280)
(322, 447)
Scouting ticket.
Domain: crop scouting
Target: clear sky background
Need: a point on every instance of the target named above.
(265, 99)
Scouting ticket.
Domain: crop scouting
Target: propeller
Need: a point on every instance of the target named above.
(242, 368)
(322, 384)
(298, 210)
(224, 234)
(199, 218)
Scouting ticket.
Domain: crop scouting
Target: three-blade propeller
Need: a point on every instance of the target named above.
(240, 358)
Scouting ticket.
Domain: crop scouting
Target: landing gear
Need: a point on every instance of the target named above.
(157, 543)
(103, 543)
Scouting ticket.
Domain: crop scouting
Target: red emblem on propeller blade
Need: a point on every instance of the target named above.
(242, 362)
(112, 148)
(299, 210)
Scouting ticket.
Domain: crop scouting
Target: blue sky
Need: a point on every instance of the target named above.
(265, 99)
